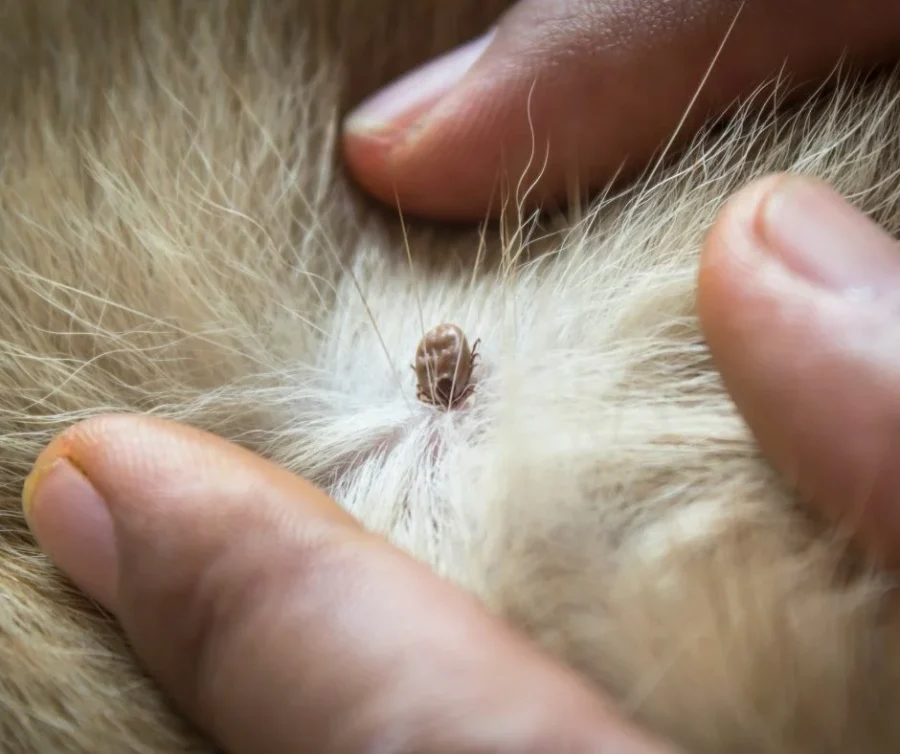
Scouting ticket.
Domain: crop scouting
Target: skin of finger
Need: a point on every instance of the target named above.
(815, 375)
(588, 90)
(278, 624)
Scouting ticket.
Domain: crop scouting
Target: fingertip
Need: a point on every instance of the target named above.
(106, 441)
(366, 157)
(444, 169)
(794, 297)
(395, 111)
(731, 304)
(756, 318)
(730, 250)
(115, 498)
(133, 458)
(412, 143)
(73, 527)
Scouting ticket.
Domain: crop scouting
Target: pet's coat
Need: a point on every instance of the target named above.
(177, 237)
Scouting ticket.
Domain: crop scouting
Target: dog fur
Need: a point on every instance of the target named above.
(178, 238)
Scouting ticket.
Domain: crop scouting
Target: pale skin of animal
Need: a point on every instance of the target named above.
(284, 593)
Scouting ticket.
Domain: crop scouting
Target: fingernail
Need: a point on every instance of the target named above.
(409, 99)
(72, 525)
(824, 239)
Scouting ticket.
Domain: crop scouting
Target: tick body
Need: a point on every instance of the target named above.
(443, 366)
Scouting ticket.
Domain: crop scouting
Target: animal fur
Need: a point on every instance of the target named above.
(178, 238)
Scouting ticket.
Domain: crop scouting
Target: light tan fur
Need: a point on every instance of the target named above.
(177, 237)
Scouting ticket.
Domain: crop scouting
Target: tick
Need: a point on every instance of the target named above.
(443, 366)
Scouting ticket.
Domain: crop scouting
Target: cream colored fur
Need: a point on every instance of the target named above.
(177, 237)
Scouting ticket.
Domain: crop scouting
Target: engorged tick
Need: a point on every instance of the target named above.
(443, 366)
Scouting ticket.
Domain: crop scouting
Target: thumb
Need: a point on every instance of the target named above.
(800, 301)
(276, 622)
(572, 93)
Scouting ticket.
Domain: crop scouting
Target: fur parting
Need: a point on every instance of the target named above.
(178, 238)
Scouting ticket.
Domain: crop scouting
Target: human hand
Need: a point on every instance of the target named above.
(277, 623)
(598, 86)
(799, 296)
